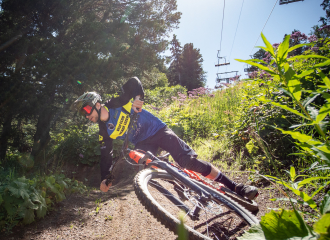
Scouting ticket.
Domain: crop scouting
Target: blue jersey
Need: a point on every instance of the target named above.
(147, 124)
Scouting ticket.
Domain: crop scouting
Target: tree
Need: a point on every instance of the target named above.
(153, 79)
(326, 7)
(186, 66)
(56, 50)
(174, 71)
(193, 75)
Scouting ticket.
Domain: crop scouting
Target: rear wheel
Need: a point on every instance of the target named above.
(216, 218)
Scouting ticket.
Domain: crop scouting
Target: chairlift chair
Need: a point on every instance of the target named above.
(221, 64)
(227, 79)
(289, 1)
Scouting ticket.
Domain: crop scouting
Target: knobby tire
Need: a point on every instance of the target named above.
(225, 218)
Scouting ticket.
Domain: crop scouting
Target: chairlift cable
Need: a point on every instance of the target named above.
(223, 16)
(264, 26)
(236, 31)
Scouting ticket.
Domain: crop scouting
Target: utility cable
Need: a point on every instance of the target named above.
(264, 26)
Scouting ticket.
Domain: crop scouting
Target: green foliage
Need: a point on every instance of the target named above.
(301, 88)
(77, 144)
(251, 147)
(202, 113)
(186, 66)
(154, 79)
(182, 232)
(163, 96)
(253, 123)
(41, 67)
(23, 200)
(322, 227)
(288, 224)
(325, 205)
(285, 79)
(296, 186)
(280, 225)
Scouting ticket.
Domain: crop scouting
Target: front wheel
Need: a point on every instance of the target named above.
(165, 197)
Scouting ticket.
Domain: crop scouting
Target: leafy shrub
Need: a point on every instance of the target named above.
(285, 224)
(163, 96)
(23, 200)
(284, 78)
(256, 121)
(311, 135)
(78, 144)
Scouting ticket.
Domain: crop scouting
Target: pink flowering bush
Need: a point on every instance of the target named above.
(253, 75)
(298, 36)
(326, 27)
(202, 91)
(312, 38)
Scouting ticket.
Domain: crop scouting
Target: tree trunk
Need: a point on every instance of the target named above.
(18, 135)
(6, 130)
(41, 137)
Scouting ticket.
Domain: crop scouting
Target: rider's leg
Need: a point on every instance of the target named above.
(247, 191)
(211, 172)
(186, 157)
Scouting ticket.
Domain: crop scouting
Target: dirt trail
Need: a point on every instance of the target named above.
(116, 214)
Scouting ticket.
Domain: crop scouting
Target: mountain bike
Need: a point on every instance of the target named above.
(166, 190)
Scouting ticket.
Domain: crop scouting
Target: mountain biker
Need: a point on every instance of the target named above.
(149, 134)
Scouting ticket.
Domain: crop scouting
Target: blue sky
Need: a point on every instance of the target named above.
(201, 24)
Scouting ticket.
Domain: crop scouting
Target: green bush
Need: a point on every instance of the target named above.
(163, 96)
(307, 98)
(78, 144)
(256, 121)
(23, 200)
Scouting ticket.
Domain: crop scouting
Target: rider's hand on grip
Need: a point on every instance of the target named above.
(137, 104)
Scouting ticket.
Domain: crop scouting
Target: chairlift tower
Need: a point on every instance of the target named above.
(289, 1)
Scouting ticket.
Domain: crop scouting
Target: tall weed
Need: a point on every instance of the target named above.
(311, 135)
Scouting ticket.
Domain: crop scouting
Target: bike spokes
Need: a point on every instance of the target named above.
(209, 217)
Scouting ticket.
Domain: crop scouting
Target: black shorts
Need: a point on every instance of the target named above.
(184, 155)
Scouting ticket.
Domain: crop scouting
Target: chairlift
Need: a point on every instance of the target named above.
(221, 64)
(227, 79)
(289, 1)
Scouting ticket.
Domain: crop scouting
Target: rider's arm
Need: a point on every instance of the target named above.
(130, 89)
(106, 152)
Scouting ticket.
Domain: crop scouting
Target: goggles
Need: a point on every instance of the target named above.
(86, 111)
